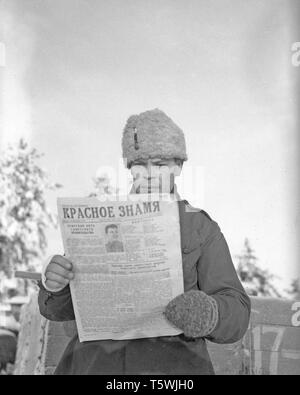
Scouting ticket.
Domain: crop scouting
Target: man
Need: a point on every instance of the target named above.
(113, 244)
(214, 304)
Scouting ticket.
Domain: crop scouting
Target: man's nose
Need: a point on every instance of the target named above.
(146, 170)
(150, 168)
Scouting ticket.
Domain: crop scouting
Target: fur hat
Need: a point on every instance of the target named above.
(152, 134)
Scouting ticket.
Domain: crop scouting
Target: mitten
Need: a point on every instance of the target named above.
(194, 312)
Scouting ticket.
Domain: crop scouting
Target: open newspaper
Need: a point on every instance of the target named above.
(127, 261)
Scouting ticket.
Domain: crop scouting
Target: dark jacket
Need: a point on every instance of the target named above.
(114, 246)
(207, 266)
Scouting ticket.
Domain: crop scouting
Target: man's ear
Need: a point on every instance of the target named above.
(178, 168)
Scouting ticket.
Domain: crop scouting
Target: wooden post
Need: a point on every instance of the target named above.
(28, 275)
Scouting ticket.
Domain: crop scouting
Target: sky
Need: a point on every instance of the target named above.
(75, 70)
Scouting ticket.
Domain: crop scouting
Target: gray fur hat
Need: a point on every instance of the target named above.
(152, 134)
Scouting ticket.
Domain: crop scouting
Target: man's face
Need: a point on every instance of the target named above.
(155, 175)
(112, 234)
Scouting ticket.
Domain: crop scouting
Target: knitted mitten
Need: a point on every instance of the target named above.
(194, 312)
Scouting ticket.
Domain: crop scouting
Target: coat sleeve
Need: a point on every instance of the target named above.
(56, 306)
(217, 277)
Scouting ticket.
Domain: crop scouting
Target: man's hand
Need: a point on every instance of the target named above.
(58, 273)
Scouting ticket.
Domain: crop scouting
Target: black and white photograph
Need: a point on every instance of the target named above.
(173, 127)
(113, 242)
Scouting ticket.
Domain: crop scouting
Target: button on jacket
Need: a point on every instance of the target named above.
(207, 266)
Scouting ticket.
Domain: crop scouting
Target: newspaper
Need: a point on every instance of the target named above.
(127, 262)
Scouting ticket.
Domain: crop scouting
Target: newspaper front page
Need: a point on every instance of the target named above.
(127, 262)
